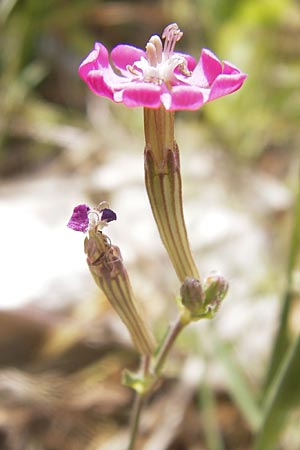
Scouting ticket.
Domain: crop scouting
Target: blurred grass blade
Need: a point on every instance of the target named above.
(6, 6)
(238, 385)
(283, 395)
(208, 407)
(283, 338)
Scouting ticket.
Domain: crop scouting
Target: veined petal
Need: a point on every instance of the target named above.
(96, 59)
(226, 84)
(142, 94)
(187, 97)
(124, 55)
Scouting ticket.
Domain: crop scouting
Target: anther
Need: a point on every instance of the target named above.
(156, 41)
(151, 54)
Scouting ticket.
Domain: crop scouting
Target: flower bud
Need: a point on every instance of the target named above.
(203, 300)
(192, 295)
(215, 288)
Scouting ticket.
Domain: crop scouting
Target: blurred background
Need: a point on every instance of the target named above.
(62, 348)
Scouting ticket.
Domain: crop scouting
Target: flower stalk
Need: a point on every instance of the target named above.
(164, 189)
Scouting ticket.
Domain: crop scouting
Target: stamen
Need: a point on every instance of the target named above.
(94, 218)
(184, 69)
(171, 34)
(132, 70)
(156, 41)
(151, 54)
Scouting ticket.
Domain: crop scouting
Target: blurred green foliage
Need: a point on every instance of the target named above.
(42, 43)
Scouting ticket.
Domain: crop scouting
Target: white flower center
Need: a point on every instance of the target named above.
(160, 62)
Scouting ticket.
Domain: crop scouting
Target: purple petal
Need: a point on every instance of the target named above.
(108, 215)
(79, 220)
(226, 84)
(96, 59)
(187, 97)
(142, 94)
(124, 55)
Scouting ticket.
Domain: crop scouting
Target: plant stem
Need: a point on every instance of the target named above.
(174, 330)
(136, 414)
(171, 336)
(138, 406)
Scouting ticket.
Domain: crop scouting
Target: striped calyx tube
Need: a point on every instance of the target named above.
(107, 268)
(164, 189)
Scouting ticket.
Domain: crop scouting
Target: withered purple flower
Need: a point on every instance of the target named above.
(83, 217)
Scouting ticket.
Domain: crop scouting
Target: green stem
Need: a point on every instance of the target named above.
(136, 414)
(174, 330)
(138, 406)
(165, 348)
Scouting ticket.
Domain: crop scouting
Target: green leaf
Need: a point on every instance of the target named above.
(282, 397)
(238, 385)
(282, 340)
(209, 415)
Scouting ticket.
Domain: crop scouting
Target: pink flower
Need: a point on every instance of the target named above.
(159, 76)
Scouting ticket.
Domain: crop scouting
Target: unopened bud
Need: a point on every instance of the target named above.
(203, 300)
(192, 295)
(215, 288)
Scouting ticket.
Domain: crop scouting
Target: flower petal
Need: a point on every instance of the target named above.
(187, 97)
(142, 94)
(98, 85)
(229, 68)
(79, 220)
(226, 84)
(108, 215)
(211, 65)
(124, 55)
(207, 69)
(96, 59)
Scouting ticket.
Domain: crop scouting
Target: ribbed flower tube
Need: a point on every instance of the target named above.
(106, 266)
(164, 189)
